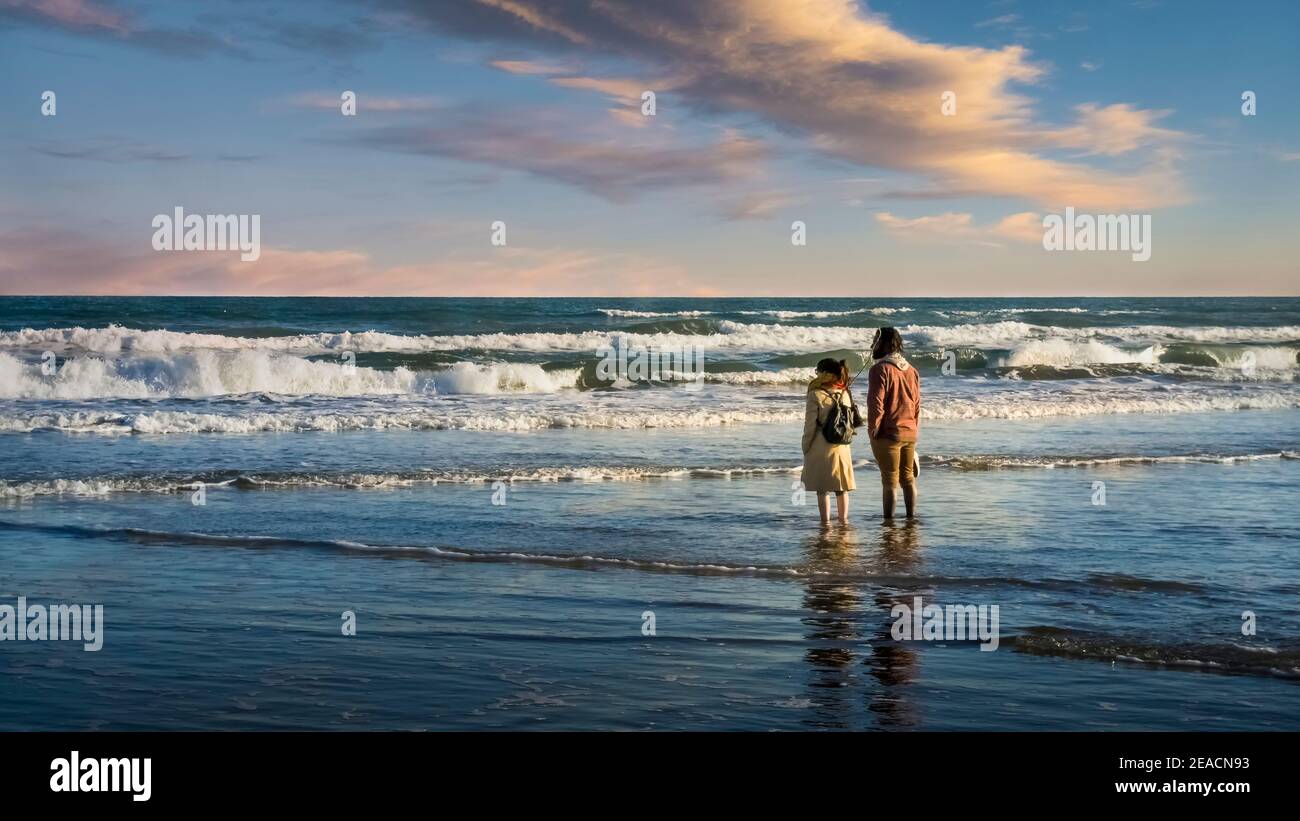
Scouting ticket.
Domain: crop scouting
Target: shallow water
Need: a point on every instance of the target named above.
(471, 614)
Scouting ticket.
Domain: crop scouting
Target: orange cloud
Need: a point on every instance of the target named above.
(1115, 129)
(860, 90)
(960, 229)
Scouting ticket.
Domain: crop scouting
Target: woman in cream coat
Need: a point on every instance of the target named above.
(827, 468)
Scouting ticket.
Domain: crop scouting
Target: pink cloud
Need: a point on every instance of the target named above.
(82, 14)
(47, 262)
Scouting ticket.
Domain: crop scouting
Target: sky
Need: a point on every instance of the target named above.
(918, 144)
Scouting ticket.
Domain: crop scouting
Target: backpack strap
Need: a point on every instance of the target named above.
(834, 398)
(834, 401)
(853, 409)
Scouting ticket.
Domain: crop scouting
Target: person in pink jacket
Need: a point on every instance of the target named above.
(893, 418)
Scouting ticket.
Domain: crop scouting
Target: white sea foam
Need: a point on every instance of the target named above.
(195, 374)
(1008, 334)
(990, 312)
(1091, 403)
(1274, 358)
(106, 485)
(826, 314)
(203, 373)
(785, 376)
(505, 377)
(1064, 352)
(582, 474)
(619, 312)
(730, 335)
(718, 405)
(999, 461)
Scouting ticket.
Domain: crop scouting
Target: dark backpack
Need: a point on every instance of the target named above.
(840, 421)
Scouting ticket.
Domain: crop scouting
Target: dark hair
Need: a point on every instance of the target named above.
(888, 340)
(837, 367)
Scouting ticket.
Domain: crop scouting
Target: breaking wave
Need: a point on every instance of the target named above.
(1061, 352)
(1008, 334)
(826, 314)
(204, 373)
(727, 335)
(621, 313)
(676, 409)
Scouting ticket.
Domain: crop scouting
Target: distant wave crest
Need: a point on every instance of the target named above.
(729, 335)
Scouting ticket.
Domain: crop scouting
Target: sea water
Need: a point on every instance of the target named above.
(231, 478)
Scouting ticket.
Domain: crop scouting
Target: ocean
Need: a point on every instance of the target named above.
(351, 513)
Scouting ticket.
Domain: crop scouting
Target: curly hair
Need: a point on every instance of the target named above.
(888, 340)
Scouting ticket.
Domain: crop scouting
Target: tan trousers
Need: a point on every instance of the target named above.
(894, 459)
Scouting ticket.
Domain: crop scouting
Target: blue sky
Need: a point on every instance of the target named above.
(822, 111)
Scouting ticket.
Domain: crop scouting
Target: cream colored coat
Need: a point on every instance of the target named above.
(827, 468)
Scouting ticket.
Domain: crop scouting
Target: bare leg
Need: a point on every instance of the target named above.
(842, 506)
(909, 499)
(824, 507)
(887, 497)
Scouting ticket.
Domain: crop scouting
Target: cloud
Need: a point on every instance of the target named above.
(77, 15)
(333, 100)
(1077, 22)
(853, 86)
(108, 150)
(610, 166)
(758, 205)
(103, 21)
(626, 93)
(54, 262)
(465, 181)
(121, 151)
(960, 229)
(1000, 21)
(325, 40)
(1115, 129)
(764, 203)
(530, 67)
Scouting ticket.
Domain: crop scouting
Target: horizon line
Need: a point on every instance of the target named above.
(608, 296)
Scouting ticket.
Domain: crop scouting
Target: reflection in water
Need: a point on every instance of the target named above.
(840, 628)
(893, 663)
(832, 608)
